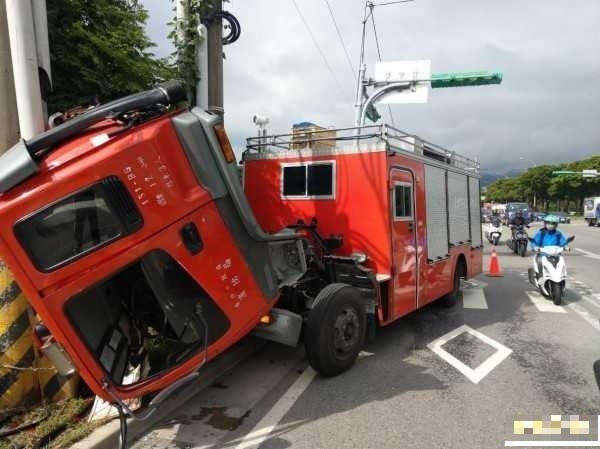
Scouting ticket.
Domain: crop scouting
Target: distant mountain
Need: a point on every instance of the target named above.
(489, 175)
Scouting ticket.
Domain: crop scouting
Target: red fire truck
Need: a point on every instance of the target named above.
(129, 232)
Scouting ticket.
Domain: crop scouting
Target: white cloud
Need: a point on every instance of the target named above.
(548, 50)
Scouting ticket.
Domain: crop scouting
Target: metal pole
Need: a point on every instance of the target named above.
(378, 94)
(9, 119)
(362, 68)
(42, 46)
(215, 61)
(25, 67)
(202, 64)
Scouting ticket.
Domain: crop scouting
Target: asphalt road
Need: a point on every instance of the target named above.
(508, 355)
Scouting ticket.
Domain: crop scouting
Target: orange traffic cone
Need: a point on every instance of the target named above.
(494, 270)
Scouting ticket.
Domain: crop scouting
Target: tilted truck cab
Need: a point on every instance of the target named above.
(130, 233)
(135, 245)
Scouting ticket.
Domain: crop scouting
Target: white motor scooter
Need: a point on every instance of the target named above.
(494, 232)
(551, 282)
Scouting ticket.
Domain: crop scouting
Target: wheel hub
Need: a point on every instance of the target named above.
(346, 330)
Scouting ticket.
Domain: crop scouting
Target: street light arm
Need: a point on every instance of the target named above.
(380, 93)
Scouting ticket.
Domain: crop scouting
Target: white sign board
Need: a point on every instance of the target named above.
(402, 71)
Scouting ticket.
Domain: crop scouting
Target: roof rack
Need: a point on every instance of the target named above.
(364, 137)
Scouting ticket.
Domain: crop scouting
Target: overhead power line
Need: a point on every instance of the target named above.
(393, 3)
(312, 36)
(337, 29)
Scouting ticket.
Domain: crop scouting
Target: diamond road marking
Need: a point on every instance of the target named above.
(474, 375)
(543, 304)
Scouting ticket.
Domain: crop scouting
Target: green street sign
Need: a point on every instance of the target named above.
(464, 79)
(564, 172)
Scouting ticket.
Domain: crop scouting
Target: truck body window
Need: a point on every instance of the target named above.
(320, 180)
(402, 202)
(294, 181)
(79, 224)
(314, 180)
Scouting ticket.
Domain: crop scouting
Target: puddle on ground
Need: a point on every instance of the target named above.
(218, 418)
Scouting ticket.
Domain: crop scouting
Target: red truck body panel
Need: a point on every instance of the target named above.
(362, 210)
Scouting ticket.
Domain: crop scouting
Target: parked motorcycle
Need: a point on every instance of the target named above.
(519, 240)
(551, 281)
(494, 232)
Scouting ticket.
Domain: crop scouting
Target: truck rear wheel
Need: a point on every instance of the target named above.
(335, 329)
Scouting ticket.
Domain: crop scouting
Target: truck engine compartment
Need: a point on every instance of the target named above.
(151, 315)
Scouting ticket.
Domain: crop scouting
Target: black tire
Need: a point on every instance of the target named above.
(522, 249)
(452, 298)
(556, 292)
(496, 240)
(335, 329)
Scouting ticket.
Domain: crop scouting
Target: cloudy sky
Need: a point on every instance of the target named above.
(546, 110)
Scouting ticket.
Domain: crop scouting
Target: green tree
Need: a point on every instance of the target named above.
(506, 189)
(100, 48)
(535, 182)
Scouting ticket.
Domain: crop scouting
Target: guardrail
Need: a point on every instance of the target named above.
(395, 140)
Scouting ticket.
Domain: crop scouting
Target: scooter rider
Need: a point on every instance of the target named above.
(517, 221)
(549, 235)
(495, 220)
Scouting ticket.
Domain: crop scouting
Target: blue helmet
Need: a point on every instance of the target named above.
(551, 219)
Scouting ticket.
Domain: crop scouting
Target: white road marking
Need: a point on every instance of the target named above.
(474, 298)
(265, 426)
(587, 316)
(474, 375)
(543, 304)
(589, 254)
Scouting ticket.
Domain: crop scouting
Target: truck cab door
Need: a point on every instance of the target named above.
(404, 252)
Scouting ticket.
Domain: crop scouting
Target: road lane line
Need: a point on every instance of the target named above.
(583, 313)
(486, 367)
(543, 304)
(474, 298)
(265, 426)
(589, 254)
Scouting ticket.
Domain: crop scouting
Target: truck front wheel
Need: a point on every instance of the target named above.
(335, 329)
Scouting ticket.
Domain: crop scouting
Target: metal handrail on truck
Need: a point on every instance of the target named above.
(396, 140)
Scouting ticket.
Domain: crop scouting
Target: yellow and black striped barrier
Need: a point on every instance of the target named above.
(18, 382)
(25, 376)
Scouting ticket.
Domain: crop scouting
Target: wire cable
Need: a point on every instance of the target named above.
(312, 36)
(393, 3)
(337, 29)
(379, 55)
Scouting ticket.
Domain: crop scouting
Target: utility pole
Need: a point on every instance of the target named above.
(9, 119)
(215, 60)
(24, 57)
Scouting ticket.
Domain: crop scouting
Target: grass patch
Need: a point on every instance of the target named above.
(59, 425)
